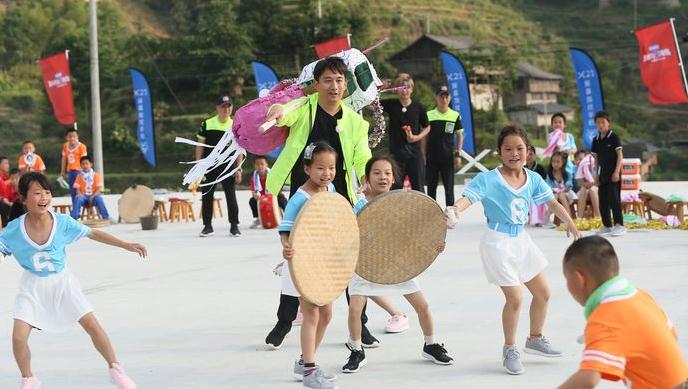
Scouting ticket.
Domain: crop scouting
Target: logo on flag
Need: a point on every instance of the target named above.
(656, 54)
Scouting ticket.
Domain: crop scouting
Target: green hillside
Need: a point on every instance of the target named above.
(193, 50)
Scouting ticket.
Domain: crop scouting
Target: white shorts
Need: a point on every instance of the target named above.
(53, 304)
(510, 260)
(362, 287)
(571, 196)
(288, 286)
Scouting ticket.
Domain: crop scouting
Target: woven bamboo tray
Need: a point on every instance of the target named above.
(401, 235)
(325, 240)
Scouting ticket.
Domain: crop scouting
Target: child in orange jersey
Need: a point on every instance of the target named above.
(29, 161)
(70, 165)
(627, 336)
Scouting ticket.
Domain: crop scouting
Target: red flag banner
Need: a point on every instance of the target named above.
(661, 67)
(333, 46)
(58, 84)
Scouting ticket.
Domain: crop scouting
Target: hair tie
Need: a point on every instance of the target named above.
(308, 151)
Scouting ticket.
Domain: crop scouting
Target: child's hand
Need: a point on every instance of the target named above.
(137, 248)
(572, 230)
(287, 252)
(275, 113)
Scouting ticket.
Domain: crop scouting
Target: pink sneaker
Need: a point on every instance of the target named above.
(120, 378)
(397, 323)
(29, 383)
(299, 319)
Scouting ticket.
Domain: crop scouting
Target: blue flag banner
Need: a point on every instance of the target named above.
(145, 131)
(265, 78)
(460, 97)
(589, 93)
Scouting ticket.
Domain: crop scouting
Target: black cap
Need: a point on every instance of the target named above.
(443, 90)
(224, 100)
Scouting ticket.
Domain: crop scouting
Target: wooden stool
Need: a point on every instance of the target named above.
(217, 209)
(677, 208)
(90, 212)
(587, 211)
(635, 207)
(162, 211)
(181, 209)
(63, 208)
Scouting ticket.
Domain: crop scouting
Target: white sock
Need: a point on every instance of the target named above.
(354, 344)
(429, 339)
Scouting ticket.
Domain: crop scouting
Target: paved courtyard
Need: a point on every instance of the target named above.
(195, 315)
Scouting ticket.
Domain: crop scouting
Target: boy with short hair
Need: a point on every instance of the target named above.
(627, 335)
(607, 150)
(29, 161)
(72, 152)
(4, 169)
(88, 185)
(258, 182)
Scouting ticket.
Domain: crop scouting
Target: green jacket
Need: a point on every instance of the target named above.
(353, 135)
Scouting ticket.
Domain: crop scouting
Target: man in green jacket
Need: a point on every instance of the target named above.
(319, 117)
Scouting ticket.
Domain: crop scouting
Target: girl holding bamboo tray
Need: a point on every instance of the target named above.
(319, 161)
(380, 173)
(509, 256)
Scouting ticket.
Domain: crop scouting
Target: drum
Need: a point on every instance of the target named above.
(269, 212)
(325, 240)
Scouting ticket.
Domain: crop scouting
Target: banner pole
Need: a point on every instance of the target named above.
(678, 54)
(95, 91)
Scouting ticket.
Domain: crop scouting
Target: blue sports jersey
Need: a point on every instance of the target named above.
(46, 259)
(504, 204)
(291, 211)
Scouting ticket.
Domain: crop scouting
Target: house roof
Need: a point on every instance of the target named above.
(550, 108)
(452, 42)
(525, 69)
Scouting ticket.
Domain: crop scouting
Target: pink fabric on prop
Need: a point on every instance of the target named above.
(631, 197)
(252, 115)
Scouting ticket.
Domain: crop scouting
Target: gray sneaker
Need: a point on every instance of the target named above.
(618, 230)
(541, 346)
(604, 231)
(511, 359)
(318, 380)
(299, 369)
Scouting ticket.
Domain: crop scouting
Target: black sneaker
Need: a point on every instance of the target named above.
(368, 340)
(234, 230)
(276, 336)
(437, 353)
(207, 231)
(356, 361)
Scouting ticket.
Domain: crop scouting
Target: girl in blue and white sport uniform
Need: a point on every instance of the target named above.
(510, 257)
(50, 297)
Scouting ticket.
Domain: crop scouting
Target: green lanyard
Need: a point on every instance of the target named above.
(613, 287)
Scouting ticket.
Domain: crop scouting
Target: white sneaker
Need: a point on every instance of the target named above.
(549, 225)
(604, 231)
(256, 224)
(452, 217)
(618, 230)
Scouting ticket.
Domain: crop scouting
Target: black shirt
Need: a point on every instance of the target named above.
(537, 168)
(414, 116)
(605, 152)
(324, 129)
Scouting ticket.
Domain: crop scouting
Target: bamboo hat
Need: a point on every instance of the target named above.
(136, 201)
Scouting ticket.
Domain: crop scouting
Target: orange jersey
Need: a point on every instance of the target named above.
(633, 339)
(88, 183)
(73, 156)
(33, 163)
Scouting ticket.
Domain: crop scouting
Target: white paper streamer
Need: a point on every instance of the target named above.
(225, 152)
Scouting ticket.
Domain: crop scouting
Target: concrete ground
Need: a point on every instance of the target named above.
(195, 314)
